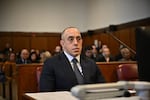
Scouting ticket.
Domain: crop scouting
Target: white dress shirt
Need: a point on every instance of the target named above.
(70, 60)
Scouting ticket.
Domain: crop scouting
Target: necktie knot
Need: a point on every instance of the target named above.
(74, 60)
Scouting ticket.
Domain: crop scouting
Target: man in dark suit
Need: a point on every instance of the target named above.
(105, 56)
(24, 57)
(60, 72)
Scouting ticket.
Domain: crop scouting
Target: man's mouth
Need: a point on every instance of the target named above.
(75, 49)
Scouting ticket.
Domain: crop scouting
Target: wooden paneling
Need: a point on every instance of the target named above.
(125, 32)
(52, 43)
(4, 40)
(132, 37)
(49, 41)
(39, 43)
(125, 35)
(20, 43)
(29, 40)
(113, 44)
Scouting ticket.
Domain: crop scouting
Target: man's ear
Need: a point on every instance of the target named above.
(61, 43)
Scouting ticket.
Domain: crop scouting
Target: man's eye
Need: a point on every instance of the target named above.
(79, 38)
(70, 39)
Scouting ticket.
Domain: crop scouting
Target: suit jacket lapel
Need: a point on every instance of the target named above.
(68, 71)
(85, 69)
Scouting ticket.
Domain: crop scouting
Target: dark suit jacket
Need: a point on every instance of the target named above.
(58, 75)
(19, 61)
(102, 59)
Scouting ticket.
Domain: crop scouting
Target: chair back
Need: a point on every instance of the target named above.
(127, 72)
(38, 74)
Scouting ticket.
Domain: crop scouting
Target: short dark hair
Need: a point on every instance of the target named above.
(67, 29)
(89, 47)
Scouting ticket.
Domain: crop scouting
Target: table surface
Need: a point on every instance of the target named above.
(64, 95)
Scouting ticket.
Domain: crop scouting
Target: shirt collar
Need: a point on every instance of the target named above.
(71, 57)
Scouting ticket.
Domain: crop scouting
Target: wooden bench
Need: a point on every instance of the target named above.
(108, 69)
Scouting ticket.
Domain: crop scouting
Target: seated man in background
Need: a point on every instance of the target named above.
(95, 53)
(69, 68)
(24, 57)
(2, 56)
(7, 49)
(88, 51)
(106, 55)
(11, 57)
(57, 50)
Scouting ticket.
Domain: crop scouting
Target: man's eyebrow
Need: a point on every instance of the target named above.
(75, 36)
(70, 36)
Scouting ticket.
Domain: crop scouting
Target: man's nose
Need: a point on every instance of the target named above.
(75, 41)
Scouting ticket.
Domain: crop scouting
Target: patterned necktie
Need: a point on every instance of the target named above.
(78, 74)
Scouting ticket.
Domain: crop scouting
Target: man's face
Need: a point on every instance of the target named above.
(94, 50)
(24, 54)
(12, 57)
(88, 53)
(72, 42)
(57, 49)
(106, 52)
(126, 53)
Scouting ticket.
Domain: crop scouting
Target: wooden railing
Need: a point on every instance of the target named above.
(109, 69)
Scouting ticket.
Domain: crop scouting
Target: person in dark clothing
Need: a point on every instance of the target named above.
(24, 57)
(60, 72)
(33, 57)
(106, 56)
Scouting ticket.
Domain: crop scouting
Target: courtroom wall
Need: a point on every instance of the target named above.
(48, 41)
(55, 15)
(29, 40)
(102, 13)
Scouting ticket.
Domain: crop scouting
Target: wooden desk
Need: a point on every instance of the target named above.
(63, 95)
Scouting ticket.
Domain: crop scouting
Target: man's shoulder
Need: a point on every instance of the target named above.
(87, 60)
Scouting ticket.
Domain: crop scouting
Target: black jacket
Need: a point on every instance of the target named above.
(58, 75)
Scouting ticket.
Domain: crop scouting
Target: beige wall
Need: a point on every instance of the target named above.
(42, 15)
(102, 13)
(55, 15)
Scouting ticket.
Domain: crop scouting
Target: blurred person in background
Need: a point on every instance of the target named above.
(2, 56)
(24, 57)
(44, 56)
(38, 54)
(33, 57)
(95, 53)
(106, 55)
(32, 50)
(12, 57)
(88, 51)
(126, 55)
(7, 49)
(103, 47)
(57, 50)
